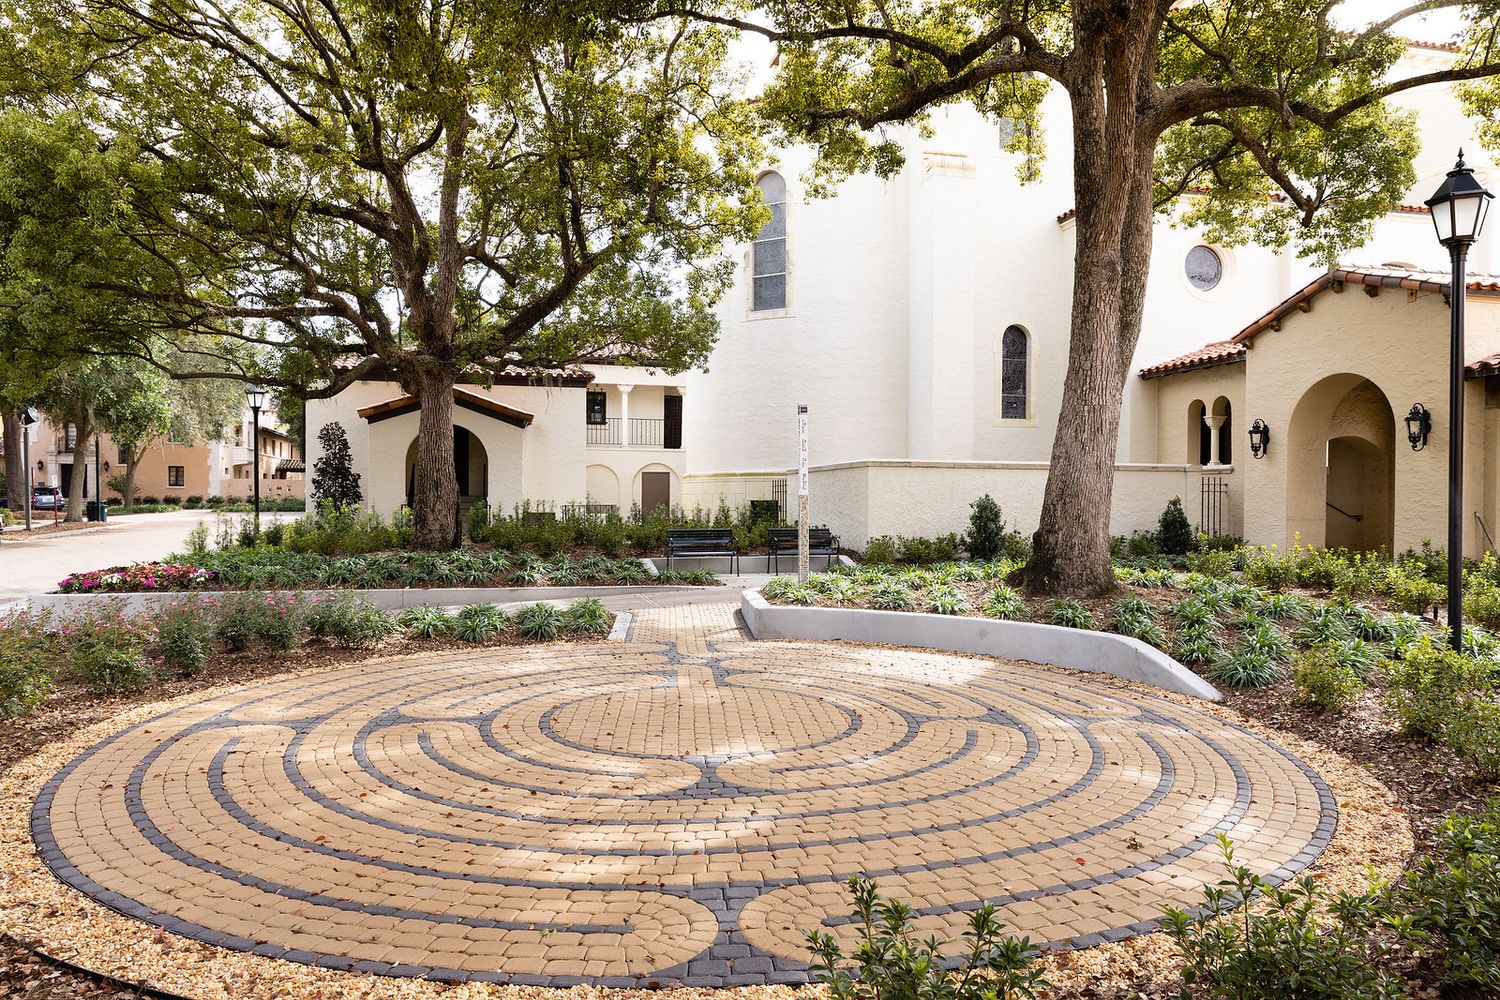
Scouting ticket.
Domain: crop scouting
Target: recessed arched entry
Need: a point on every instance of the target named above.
(1341, 465)
(603, 485)
(1197, 434)
(470, 464)
(1222, 415)
(655, 487)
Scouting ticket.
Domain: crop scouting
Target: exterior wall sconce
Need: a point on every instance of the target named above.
(41, 465)
(1260, 438)
(1418, 426)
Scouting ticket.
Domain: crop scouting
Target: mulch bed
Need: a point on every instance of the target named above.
(18, 533)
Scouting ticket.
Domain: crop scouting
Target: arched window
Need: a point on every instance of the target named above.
(1015, 390)
(768, 257)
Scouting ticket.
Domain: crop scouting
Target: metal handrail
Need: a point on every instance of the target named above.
(1352, 517)
(605, 433)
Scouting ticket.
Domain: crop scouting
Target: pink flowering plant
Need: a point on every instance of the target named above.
(151, 576)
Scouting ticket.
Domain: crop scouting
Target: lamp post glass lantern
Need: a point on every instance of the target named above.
(1459, 209)
(1260, 438)
(256, 397)
(1418, 426)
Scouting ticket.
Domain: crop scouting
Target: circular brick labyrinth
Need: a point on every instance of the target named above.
(624, 814)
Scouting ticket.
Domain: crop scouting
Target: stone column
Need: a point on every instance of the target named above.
(625, 415)
(1214, 422)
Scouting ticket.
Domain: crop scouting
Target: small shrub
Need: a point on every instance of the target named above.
(479, 622)
(1246, 668)
(890, 595)
(945, 599)
(1473, 734)
(539, 622)
(1448, 903)
(1297, 943)
(1194, 612)
(1414, 595)
(587, 616)
(113, 669)
(1174, 535)
(334, 480)
(890, 963)
(1004, 602)
(1198, 646)
(1070, 614)
(26, 664)
(1323, 678)
(987, 537)
(425, 622)
(354, 622)
(1218, 563)
(185, 637)
(834, 585)
(1137, 618)
(1427, 686)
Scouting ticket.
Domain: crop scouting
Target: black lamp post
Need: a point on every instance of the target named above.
(256, 397)
(1458, 212)
(28, 417)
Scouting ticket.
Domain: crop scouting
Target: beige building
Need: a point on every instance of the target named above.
(1332, 373)
(168, 469)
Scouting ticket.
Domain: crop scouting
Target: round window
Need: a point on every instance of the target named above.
(1204, 268)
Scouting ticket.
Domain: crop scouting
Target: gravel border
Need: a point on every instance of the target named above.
(40, 911)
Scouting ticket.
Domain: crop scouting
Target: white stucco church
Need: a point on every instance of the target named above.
(924, 321)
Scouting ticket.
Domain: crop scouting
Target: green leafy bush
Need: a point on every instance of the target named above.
(1473, 734)
(278, 623)
(1414, 595)
(1251, 665)
(425, 622)
(1218, 563)
(587, 616)
(1137, 618)
(539, 621)
(891, 963)
(479, 622)
(1428, 685)
(1322, 677)
(1294, 943)
(1070, 614)
(1198, 645)
(112, 669)
(1268, 566)
(27, 663)
(354, 622)
(1448, 903)
(1194, 613)
(987, 537)
(882, 549)
(891, 595)
(185, 636)
(1174, 535)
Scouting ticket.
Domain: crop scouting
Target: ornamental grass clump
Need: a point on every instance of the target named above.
(1137, 618)
(1070, 614)
(946, 599)
(539, 621)
(587, 616)
(890, 962)
(425, 622)
(479, 623)
(1005, 603)
(891, 595)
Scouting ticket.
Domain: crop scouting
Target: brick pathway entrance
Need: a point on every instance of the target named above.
(676, 808)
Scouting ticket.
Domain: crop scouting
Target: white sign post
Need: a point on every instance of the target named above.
(802, 558)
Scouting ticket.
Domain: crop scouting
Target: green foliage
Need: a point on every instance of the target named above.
(987, 537)
(1198, 646)
(27, 668)
(1004, 602)
(891, 595)
(1473, 734)
(540, 621)
(185, 636)
(479, 622)
(945, 599)
(1448, 903)
(1217, 563)
(105, 650)
(1293, 942)
(1415, 595)
(425, 622)
(1070, 614)
(891, 963)
(1137, 618)
(587, 616)
(882, 549)
(1323, 678)
(1174, 535)
(334, 481)
(1427, 687)
(353, 622)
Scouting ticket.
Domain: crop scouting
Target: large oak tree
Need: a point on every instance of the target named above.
(1270, 105)
(427, 191)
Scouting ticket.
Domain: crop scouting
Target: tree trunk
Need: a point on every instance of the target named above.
(1112, 183)
(83, 420)
(435, 489)
(127, 495)
(17, 486)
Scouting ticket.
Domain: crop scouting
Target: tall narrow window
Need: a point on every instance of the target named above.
(768, 257)
(597, 411)
(1015, 399)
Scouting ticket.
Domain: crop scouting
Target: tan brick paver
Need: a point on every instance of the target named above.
(680, 807)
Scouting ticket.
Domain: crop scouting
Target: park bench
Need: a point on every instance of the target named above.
(820, 542)
(703, 542)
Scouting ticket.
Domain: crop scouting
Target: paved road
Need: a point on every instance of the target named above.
(28, 566)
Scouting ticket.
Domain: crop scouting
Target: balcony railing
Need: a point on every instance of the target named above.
(605, 433)
(645, 432)
(64, 443)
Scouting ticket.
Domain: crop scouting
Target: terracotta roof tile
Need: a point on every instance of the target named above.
(1222, 352)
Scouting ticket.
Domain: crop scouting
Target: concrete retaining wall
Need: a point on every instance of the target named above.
(1097, 652)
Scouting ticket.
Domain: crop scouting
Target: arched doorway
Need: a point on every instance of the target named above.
(1341, 466)
(470, 464)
